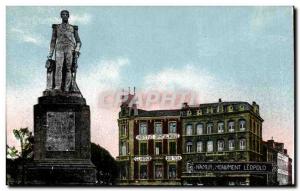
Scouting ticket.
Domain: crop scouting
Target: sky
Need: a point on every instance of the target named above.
(233, 53)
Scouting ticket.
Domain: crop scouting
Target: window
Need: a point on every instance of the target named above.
(143, 148)
(189, 130)
(123, 148)
(220, 127)
(209, 128)
(158, 148)
(200, 129)
(172, 148)
(231, 144)
(220, 145)
(143, 171)
(242, 144)
(210, 146)
(189, 147)
(172, 171)
(172, 127)
(157, 128)
(231, 126)
(123, 130)
(158, 171)
(143, 128)
(242, 125)
(242, 107)
(199, 146)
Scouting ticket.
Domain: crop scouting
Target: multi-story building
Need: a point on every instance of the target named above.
(150, 146)
(157, 147)
(274, 152)
(221, 132)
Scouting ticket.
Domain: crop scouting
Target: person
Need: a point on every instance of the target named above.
(66, 43)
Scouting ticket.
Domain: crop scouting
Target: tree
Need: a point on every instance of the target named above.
(106, 165)
(16, 159)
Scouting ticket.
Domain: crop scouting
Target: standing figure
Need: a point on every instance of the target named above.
(66, 44)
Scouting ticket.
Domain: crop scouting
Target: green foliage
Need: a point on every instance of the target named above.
(106, 165)
(12, 152)
(26, 142)
(15, 159)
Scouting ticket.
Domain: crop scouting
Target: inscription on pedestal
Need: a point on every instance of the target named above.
(60, 131)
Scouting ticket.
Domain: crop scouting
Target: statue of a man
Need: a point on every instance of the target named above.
(66, 44)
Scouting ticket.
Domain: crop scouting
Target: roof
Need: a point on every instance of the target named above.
(219, 103)
(159, 113)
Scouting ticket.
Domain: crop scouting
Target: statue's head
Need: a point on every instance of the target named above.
(64, 14)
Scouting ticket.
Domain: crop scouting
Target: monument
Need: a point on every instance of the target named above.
(62, 117)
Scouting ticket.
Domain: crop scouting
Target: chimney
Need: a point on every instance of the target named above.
(255, 107)
(185, 105)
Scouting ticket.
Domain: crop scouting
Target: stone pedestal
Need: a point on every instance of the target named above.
(62, 142)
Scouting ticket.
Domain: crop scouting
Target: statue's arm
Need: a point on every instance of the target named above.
(77, 39)
(53, 40)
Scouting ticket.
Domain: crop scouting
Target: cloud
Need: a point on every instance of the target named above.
(25, 36)
(105, 75)
(187, 77)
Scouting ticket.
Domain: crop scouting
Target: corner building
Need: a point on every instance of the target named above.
(150, 146)
(221, 132)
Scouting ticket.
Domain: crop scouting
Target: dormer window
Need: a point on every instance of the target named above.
(242, 108)
(230, 108)
(199, 112)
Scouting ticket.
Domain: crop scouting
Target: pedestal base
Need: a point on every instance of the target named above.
(62, 146)
(60, 173)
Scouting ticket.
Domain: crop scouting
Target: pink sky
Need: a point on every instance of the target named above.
(104, 129)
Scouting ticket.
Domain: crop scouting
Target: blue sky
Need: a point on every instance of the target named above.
(233, 53)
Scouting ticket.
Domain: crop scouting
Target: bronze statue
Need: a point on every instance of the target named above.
(61, 72)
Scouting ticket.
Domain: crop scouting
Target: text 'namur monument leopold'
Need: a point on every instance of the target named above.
(61, 117)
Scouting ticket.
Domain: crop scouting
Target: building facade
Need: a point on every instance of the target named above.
(150, 146)
(221, 132)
